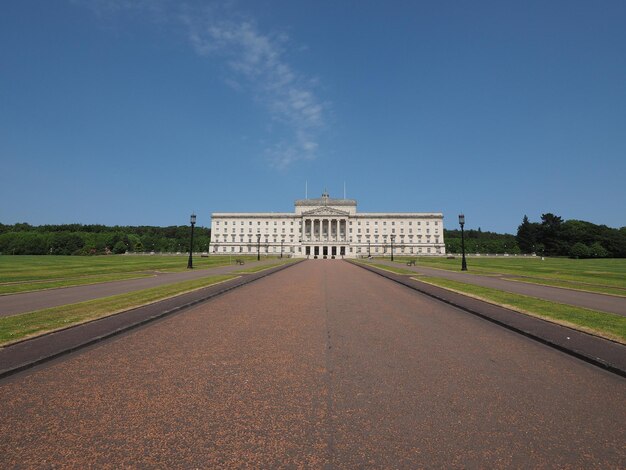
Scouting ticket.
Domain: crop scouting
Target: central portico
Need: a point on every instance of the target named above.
(324, 229)
(327, 228)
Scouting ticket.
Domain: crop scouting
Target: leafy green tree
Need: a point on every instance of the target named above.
(550, 231)
(119, 247)
(134, 242)
(526, 235)
(65, 243)
(23, 243)
(598, 251)
(453, 245)
(579, 250)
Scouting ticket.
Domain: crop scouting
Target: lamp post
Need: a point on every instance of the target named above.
(392, 237)
(281, 247)
(258, 247)
(462, 223)
(369, 252)
(192, 220)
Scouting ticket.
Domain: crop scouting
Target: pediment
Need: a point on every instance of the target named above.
(326, 211)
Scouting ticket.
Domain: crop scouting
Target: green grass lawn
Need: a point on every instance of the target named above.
(30, 273)
(18, 327)
(607, 325)
(596, 275)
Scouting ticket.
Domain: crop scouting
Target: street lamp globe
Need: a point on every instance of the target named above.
(461, 219)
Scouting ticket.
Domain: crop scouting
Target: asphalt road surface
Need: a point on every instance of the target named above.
(605, 303)
(14, 304)
(320, 365)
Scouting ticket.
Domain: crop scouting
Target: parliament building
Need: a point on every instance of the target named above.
(327, 228)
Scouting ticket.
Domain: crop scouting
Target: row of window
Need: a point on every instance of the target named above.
(266, 239)
(299, 249)
(291, 230)
(291, 222)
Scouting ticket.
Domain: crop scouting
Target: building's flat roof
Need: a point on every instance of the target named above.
(253, 214)
(357, 215)
(325, 202)
(397, 214)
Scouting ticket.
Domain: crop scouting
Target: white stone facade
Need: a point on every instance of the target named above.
(326, 228)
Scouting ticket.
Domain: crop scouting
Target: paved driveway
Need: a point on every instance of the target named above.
(323, 365)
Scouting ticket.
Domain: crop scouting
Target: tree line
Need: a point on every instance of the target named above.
(551, 237)
(574, 238)
(78, 239)
(477, 241)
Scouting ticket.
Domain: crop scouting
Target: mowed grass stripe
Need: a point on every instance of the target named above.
(615, 291)
(606, 325)
(599, 272)
(22, 287)
(57, 268)
(18, 327)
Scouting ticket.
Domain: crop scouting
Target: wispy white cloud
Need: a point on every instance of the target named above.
(256, 63)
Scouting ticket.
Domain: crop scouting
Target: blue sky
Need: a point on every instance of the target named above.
(140, 112)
